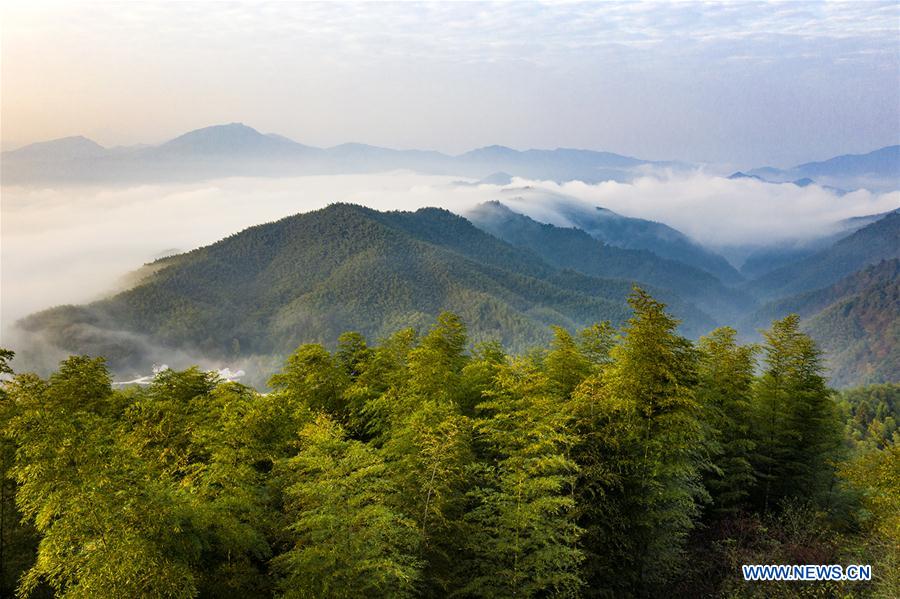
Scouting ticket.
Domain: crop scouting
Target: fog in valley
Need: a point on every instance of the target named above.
(73, 244)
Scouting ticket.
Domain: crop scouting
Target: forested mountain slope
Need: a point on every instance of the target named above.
(809, 303)
(574, 248)
(767, 259)
(871, 244)
(860, 333)
(623, 231)
(856, 321)
(309, 277)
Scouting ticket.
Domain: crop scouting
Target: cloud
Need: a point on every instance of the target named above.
(721, 212)
(72, 245)
(503, 30)
(753, 83)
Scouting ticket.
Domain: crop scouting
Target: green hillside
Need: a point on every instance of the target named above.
(873, 243)
(871, 413)
(309, 277)
(638, 233)
(810, 302)
(856, 321)
(577, 250)
(860, 332)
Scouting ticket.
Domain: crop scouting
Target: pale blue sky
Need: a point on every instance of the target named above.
(741, 83)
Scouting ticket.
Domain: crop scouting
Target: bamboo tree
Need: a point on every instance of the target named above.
(346, 539)
(312, 379)
(524, 538)
(648, 433)
(795, 419)
(565, 363)
(427, 460)
(18, 538)
(89, 495)
(725, 394)
(372, 395)
(428, 445)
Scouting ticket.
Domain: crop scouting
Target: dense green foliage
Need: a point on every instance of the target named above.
(250, 299)
(609, 463)
(795, 419)
(872, 414)
(17, 538)
(725, 390)
(856, 321)
(309, 277)
(644, 419)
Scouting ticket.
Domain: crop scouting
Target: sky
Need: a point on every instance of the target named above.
(745, 84)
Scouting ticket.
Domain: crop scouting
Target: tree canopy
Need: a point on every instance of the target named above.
(608, 462)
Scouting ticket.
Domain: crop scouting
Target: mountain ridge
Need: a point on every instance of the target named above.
(576, 249)
(49, 160)
(621, 231)
(874, 242)
(310, 277)
(240, 140)
(878, 170)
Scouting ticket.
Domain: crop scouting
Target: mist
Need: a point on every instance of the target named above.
(716, 211)
(69, 245)
(75, 244)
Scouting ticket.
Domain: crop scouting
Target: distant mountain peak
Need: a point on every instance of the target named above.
(742, 175)
(493, 151)
(878, 170)
(227, 131)
(495, 204)
(231, 138)
(498, 178)
(78, 139)
(606, 212)
(887, 153)
(72, 141)
(74, 146)
(226, 128)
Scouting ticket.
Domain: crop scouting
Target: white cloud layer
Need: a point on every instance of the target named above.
(722, 212)
(70, 245)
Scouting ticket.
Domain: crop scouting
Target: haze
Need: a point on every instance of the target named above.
(744, 84)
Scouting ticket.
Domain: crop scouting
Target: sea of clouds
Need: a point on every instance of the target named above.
(74, 244)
